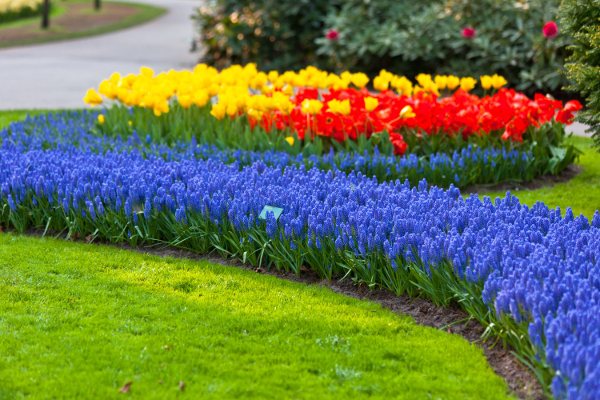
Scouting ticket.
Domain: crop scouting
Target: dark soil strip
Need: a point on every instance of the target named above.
(542, 181)
(521, 381)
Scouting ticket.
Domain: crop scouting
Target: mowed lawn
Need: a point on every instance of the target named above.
(83, 321)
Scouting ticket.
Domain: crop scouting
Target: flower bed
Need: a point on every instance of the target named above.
(529, 274)
(464, 167)
(322, 111)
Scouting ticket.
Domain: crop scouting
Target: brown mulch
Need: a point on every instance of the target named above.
(78, 17)
(521, 381)
(542, 181)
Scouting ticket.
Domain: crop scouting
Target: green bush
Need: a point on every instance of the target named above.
(413, 37)
(276, 34)
(13, 11)
(406, 37)
(581, 19)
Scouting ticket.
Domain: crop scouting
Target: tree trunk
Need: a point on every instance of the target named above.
(45, 14)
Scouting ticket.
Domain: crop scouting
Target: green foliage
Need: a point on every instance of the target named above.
(582, 193)
(406, 37)
(581, 19)
(412, 37)
(79, 321)
(277, 34)
(8, 116)
(25, 12)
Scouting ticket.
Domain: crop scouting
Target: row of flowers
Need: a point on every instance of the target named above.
(340, 107)
(468, 166)
(529, 274)
(549, 31)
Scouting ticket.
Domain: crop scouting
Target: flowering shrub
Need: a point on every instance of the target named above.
(529, 274)
(436, 113)
(15, 9)
(461, 35)
(503, 36)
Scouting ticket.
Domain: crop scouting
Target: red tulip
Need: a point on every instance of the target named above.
(550, 30)
(469, 32)
(567, 114)
(461, 113)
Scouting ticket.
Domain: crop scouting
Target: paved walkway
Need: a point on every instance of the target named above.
(56, 75)
(579, 129)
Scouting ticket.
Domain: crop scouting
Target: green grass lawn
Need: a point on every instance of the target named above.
(581, 193)
(8, 116)
(80, 321)
(57, 32)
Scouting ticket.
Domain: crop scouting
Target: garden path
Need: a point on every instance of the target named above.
(579, 129)
(56, 75)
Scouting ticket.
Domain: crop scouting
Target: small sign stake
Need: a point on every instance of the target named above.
(270, 209)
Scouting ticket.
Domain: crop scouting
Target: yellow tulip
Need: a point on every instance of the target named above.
(161, 107)
(381, 84)
(108, 88)
(184, 101)
(339, 106)
(101, 119)
(441, 81)
(498, 81)
(407, 112)
(290, 140)
(231, 109)
(424, 80)
(147, 72)
(486, 82)
(371, 103)
(359, 80)
(452, 82)
(218, 111)
(200, 98)
(310, 106)
(255, 114)
(467, 84)
(92, 98)
(402, 85)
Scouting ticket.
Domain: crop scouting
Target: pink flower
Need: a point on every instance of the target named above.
(332, 34)
(468, 32)
(550, 30)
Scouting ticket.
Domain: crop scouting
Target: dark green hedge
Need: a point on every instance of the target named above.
(581, 19)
